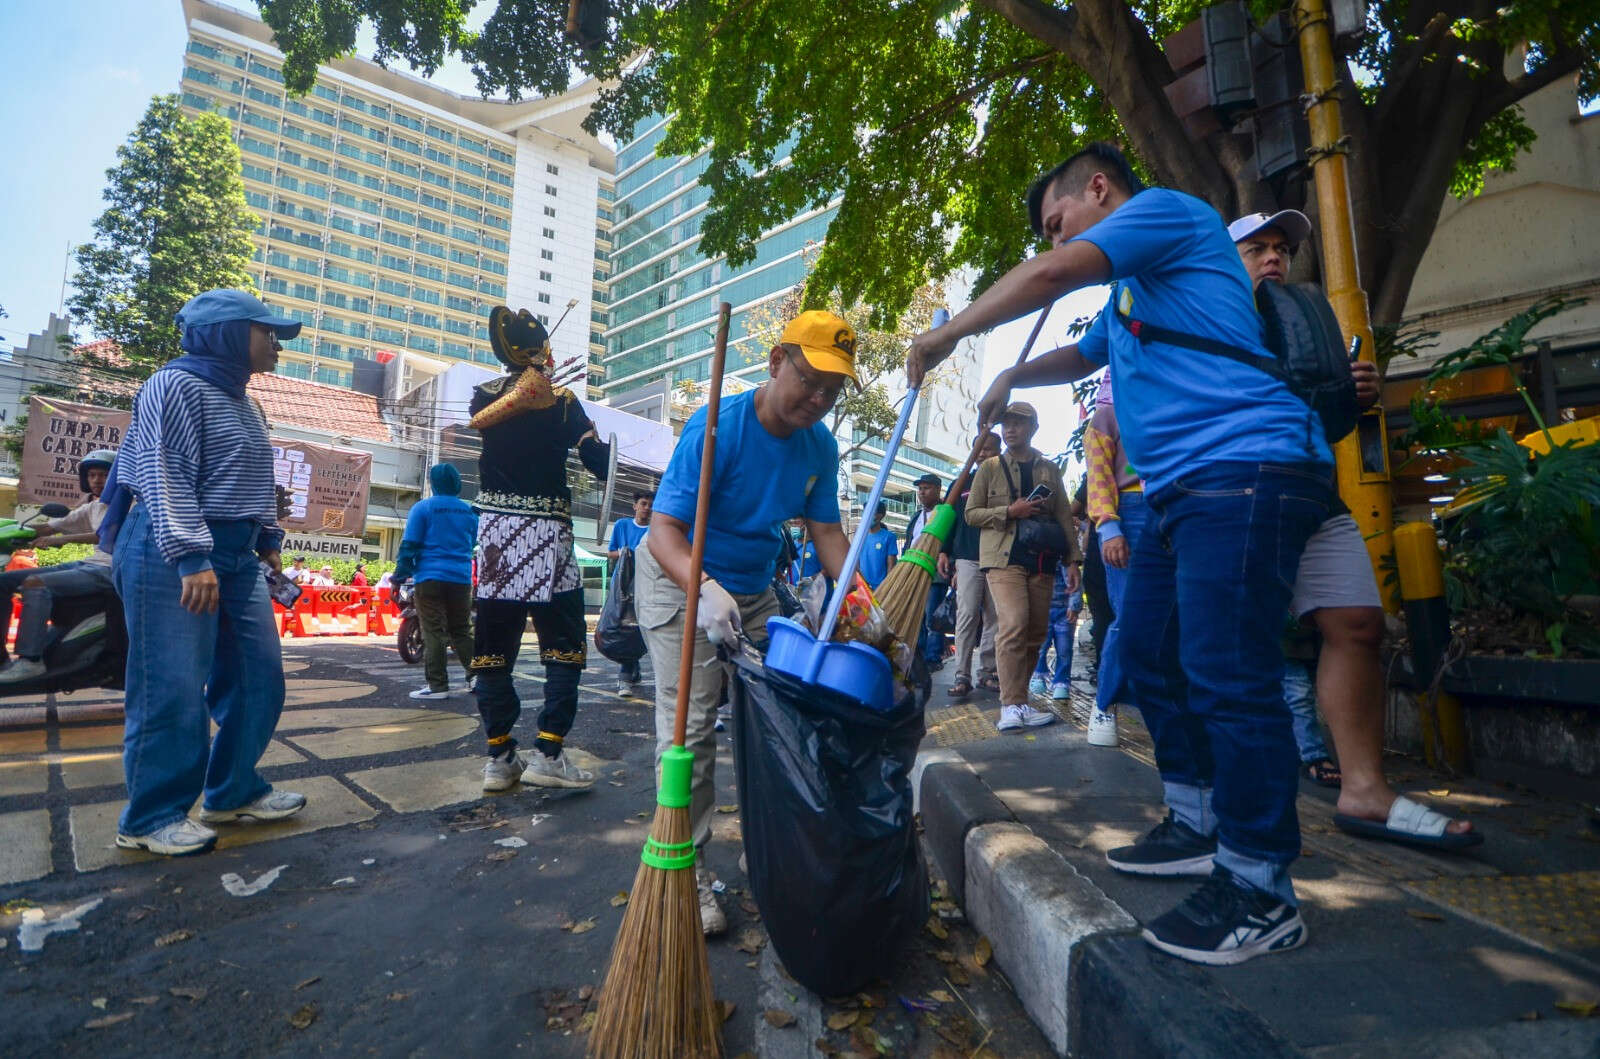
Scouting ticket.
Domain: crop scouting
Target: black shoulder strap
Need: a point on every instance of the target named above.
(1010, 484)
(1151, 333)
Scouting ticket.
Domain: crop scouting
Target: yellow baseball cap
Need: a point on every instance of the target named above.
(828, 343)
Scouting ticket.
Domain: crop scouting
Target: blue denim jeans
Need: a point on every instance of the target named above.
(1201, 630)
(1058, 635)
(1300, 692)
(931, 643)
(186, 670)
(1109, 687)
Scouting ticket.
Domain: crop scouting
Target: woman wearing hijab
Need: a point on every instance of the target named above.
(202, 643)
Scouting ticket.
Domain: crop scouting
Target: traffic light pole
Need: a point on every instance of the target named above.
(1362, 456)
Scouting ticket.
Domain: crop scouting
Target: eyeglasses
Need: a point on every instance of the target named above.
(811, 384)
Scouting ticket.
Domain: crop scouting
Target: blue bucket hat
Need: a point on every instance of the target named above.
(222, 306)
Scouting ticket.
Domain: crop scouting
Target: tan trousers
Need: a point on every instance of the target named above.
(974, 607)
(1022, 605)
(660, 606)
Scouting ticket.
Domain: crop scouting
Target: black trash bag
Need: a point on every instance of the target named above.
(943, 618)
(829, 836)
(617, 634)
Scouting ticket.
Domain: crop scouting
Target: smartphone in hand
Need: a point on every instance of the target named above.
(283, 591)
(1041, 492)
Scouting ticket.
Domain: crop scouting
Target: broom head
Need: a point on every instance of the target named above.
(903, 596)
(657, 1001)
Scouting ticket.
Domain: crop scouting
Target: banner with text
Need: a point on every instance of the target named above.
(59, 434)
(319, 549)
(327, 487)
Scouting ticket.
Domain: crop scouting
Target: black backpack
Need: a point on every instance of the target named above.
(1299, 326)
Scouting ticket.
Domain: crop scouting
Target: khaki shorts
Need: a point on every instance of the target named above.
(1335, 570)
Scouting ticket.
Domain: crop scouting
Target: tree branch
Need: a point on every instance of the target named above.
(944, 106)
(1427, 43)
(1563, 64)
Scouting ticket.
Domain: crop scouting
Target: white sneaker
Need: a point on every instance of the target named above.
(502, 773)
(177, 839)
(558, 771)
(273, 805)
(1102, 727)
(1036, 718)
(20, 669)
(1010, 718)
(429, 693)
(712, 919)
(1061, 692)
(1037, 685)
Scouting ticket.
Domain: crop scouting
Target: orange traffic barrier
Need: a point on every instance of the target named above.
(383, 615)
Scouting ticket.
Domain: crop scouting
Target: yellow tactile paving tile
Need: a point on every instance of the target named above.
(954, 725)
(1561, 910)
(329, 803)
(24, 845)
(408, 733)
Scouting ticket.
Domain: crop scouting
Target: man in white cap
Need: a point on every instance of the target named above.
(1336, 590)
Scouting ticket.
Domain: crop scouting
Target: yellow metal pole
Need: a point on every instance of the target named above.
(1421, 569)
(1362, 456)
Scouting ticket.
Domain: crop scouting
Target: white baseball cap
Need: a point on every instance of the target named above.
(1292, 223)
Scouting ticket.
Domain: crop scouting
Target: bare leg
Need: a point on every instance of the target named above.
(1350, 694)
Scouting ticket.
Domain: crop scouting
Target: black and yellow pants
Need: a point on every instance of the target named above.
(562, 634)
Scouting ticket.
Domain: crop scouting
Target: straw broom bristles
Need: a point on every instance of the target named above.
(903, 595)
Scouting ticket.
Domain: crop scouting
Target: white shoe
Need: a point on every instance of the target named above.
(1102, 727)
(273, 805)
(502, 773)
(558, 771)
(712, 919)
(429, 693)
(1037, 685)
(177, 839)
(1036, 718)
(20, 669)
(1010, 718)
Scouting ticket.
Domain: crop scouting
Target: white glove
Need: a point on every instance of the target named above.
(718, 615)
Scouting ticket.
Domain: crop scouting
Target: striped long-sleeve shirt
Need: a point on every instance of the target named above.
(194, 452)
(1109, 474)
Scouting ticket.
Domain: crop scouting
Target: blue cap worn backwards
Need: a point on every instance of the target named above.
(221, 306)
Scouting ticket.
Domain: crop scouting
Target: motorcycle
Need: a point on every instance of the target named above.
(88, 640)
(409, 637)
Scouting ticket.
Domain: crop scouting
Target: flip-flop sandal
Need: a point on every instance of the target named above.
(1323, 772)
(960, 689)
(1410, 824)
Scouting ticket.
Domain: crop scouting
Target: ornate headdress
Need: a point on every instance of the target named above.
(518, 338)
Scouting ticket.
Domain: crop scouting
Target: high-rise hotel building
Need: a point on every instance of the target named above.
(396, 213)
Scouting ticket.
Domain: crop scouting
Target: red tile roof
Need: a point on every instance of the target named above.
(318, 406)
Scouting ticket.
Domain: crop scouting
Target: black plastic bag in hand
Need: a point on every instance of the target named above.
(829, 835)
(617, 634)
(943, 618)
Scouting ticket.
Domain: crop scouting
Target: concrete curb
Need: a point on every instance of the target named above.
(954, 801)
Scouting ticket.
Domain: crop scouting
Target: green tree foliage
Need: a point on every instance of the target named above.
(175, 224)
(928, 118)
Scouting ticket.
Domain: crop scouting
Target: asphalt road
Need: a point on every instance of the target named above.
(425, 932)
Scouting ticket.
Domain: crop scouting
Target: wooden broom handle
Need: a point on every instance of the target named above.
(977, 444)
(702, 516)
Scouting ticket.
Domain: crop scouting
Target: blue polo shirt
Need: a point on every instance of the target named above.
(1174, 266)
(881, 546)
(759, 483)
(626, 533)
(447, 529)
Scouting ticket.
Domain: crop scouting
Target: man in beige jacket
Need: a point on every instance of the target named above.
(1016, 486)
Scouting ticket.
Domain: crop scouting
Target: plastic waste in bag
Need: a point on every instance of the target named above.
(829, 835)
(617, 634)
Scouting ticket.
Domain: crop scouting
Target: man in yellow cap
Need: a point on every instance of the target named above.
(774, 459)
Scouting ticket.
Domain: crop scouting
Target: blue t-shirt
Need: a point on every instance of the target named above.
(759, 483)
(881, 546)
(626, 533)
(1175, 267)
(808, 565)
(448, 530)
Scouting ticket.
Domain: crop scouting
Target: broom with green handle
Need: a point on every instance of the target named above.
(657, 1000)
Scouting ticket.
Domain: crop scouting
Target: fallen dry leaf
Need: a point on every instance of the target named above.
(304, 1017)
(1529, 1016)
(1423, 913)
(502, 854)
(173, 938)
(750, 908)
(727, 808)
(397, 996)
(945, 956)
(145, 1000)
(750, 941)
(942, 996)
(109, 1020)
(778, 1017)
(582, 926)
(98, 1003)
(842, 1020)
(188, 992)
(728, 1008)
(1442, 792)
(313, 980)
(982, 952)
(619, 899)
(958, 975)
(870, 1000)
(937, 928)
(586, 1023)
(1581, 1008)
(747, 1055)
(585, 993)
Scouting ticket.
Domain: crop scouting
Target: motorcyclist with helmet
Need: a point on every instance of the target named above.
(41, 588)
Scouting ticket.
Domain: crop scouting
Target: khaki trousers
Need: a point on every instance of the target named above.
(974, 608)
(660, 606)
(1022, 605)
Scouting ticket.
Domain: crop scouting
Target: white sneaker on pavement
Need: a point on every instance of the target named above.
(1037, 685)
(273, 805)
(1010, 718)
(712, 919)
(502, 773)
(429, 693)
(1036, 718)
(1102, 727)
(177, 839)
(558, 771)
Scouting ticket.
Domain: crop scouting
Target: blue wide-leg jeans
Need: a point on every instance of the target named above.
(1201, 629)
(1109, 687)
(186, 670)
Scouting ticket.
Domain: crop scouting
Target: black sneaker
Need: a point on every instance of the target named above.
(1171, 848)
(1222, 923)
